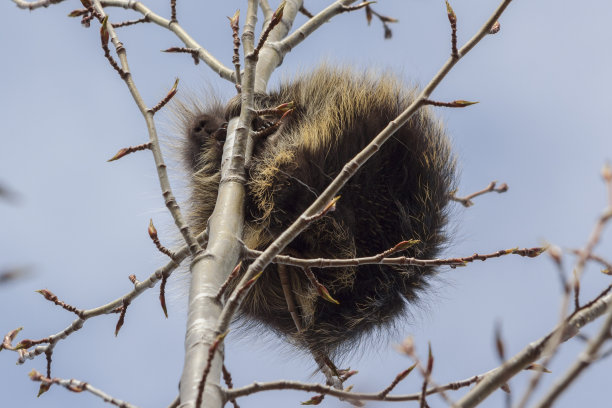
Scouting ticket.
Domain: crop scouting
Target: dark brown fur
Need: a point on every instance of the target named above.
(400, 194)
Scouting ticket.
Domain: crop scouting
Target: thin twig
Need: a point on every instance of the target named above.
(227, 377)
(51, 297)
(348, 395)
(128, 150)
(131, 22)
(176, 28)
(380, 259)
(166, 99)
(192, 51)
(467, 200)
(173, 11)
(108, 31)
(108, 308)
(396, 381)
(286, 285)
(452, 18)
(235, 26)
(277, 16)
(77, 386)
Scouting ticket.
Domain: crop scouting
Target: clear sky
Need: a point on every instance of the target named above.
(543, 126)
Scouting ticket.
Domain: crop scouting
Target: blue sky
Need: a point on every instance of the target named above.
(543, 126)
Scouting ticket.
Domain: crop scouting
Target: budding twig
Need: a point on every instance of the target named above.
(322, 290)
(8, 339)
(288, 293)
(166, 99)
(173, 11)
(127, 150)
(276, 126)
(104, 37)
(460, 103)
(606, 264)
(396, 381)
(452, 18)
(76, 386)
(331, 206)
(153, 235)
(131, 22)
(402, 260)
(305, 12)
(235, 26)
(383, 19)
(230, 278)
(227, 377)
(192, 51)
(277, 16)
(467, 200)
(162, 295)
(123, 309)
(50, 296)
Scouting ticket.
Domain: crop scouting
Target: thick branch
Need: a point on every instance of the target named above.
(533, 352)
(269, 57)
(210, 270)
(583, 361)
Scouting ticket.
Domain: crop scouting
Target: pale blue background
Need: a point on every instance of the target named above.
(543, 126)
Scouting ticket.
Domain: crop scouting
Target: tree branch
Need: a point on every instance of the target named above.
(583, 361)
(534, 351)
(76, 386)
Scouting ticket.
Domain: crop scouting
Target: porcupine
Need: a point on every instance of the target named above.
(400, 194)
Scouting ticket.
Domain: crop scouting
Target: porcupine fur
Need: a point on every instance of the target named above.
(400, 194)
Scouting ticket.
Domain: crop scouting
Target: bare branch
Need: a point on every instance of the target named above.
(153, 235)
(583, 361)
(110, 307)
(452, 18)
(162, 174)
(493, 380)
(128, 150)
(131, 22)
(76, 386)
(467, 200)
(166, 99)
(32, 5)
(396, 381)
(235, 26)
(192, 51)
(173, 26)
(347, 395)
(593, 257)
(50, 296)
(402, 260)
(173, 11)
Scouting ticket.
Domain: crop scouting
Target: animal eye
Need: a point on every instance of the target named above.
(200, 125)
